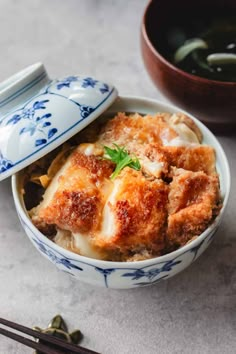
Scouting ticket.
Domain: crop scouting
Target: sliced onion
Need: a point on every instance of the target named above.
(200, 62)
(188, 47)
(221, 58)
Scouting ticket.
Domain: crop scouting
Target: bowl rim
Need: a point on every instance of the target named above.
(18, 199)
(186, 75)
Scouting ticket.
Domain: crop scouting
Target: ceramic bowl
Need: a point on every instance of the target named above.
(213, 102)
(124, 275)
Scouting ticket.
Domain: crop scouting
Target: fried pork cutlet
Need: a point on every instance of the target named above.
(166, 139)
(118, 218)
(147, 136)
(162, 129)
(193, 201)
(171, 198)
(134, 215)
(192, 158)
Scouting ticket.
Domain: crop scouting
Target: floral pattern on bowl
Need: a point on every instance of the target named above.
(110, 276)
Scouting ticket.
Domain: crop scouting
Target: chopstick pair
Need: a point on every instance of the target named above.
(59, 346)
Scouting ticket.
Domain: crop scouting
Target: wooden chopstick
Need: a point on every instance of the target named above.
(60, 345)
(29, 343)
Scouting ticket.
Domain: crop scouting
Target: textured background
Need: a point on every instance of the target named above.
(195, 312)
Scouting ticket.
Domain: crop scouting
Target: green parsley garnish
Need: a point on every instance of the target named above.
(121, 158)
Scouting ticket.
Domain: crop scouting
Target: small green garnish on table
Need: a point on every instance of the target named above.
(120, 156)
(58, 328)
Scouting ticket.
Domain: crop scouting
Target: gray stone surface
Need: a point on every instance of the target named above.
(194, 312)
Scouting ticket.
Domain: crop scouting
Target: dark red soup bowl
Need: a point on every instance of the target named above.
(212, 101)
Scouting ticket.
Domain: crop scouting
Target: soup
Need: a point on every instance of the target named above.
(201, 44)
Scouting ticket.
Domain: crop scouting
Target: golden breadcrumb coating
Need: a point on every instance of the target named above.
(193, 158)
(140, 214)
(124, 129)
(73, 201)
(193, 200)
(137, 212)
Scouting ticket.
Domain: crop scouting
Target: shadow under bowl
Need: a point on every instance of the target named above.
(213, 102)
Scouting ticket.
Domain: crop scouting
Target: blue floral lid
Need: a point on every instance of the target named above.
(38, 114)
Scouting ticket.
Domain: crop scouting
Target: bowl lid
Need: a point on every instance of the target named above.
(38, 114)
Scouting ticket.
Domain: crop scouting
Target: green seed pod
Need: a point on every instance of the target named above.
(76, 336)
(59, 323)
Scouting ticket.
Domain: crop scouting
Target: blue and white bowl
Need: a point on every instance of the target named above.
(124, 275)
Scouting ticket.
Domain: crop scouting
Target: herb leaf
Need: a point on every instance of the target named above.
(121, 158)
